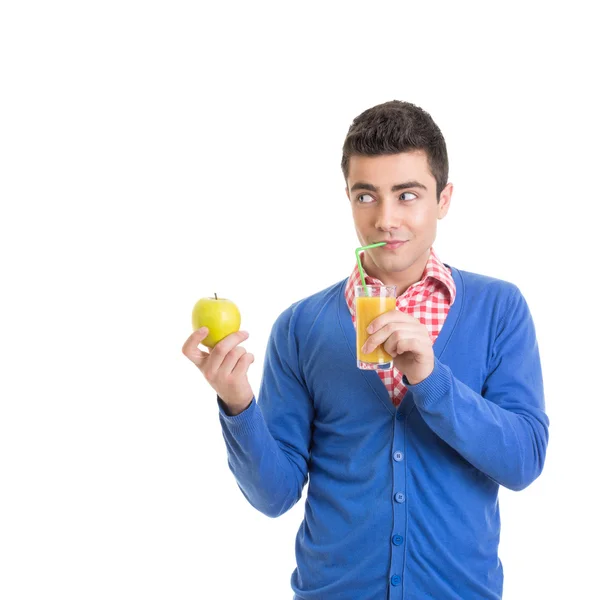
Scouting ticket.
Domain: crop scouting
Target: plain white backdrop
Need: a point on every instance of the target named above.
(152, 153)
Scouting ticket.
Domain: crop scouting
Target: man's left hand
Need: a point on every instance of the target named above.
(406, 340)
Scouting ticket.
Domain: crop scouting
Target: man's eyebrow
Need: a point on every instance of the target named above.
(361, 185)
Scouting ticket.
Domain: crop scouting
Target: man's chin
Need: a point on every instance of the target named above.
(395, 264)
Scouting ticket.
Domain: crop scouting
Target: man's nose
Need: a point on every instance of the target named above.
(387, 217)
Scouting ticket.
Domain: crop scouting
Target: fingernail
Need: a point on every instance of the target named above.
(370, 329)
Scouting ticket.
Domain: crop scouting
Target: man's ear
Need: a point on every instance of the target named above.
(445, 199)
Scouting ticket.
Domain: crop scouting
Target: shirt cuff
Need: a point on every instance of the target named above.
(437, 385)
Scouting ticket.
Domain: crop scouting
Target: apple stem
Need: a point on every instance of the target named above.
(216, 297)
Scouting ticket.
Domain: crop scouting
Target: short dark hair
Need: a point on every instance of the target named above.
(394, 127)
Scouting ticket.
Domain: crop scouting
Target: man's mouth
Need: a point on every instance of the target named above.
(392, 244)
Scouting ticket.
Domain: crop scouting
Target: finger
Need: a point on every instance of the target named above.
(391, 316)
(224, 347)
(243, 365)
(388, 331)
(400, 345)
(190, 347)
(231, 360)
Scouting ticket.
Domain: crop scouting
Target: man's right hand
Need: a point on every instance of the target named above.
(225, 367)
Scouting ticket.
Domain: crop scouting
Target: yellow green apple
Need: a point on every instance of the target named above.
(220, 315)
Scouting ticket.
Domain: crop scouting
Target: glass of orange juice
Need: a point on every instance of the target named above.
(368, 305)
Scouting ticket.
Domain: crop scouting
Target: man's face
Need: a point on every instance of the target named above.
(393, 198)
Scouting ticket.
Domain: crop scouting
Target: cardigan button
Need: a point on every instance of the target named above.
(396, 579)
(399, 497)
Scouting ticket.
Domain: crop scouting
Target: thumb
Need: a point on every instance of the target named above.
(190, 347)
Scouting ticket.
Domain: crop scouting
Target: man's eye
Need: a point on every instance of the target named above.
(405, 194)
(358, 198)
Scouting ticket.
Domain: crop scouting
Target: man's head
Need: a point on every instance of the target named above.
(396, 170)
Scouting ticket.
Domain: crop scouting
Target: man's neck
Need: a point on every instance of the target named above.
(402, 279)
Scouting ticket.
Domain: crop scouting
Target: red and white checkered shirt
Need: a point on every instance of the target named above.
(428, 300)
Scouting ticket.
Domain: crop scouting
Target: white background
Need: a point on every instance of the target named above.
(156, 152)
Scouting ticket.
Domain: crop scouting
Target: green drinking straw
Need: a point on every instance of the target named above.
(360, 269)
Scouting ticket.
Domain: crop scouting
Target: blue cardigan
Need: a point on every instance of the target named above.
(401, 503)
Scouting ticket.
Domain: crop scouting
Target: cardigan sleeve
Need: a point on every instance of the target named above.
(268, 443)
(503, 431)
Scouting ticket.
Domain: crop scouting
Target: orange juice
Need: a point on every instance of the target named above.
(368, 309)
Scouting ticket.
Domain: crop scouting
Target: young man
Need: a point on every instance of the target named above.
(404, 465)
